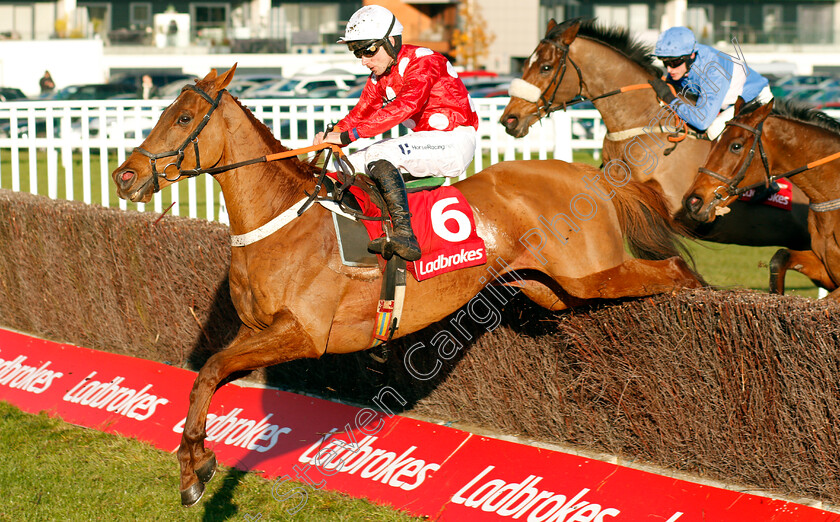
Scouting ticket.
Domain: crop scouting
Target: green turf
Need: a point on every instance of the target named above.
(51, 470)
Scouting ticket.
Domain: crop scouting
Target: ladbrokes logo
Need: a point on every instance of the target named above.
(402, 471)
(452, 261)
(244, 433)
(112, 397)
(517, 499)
(15, 374)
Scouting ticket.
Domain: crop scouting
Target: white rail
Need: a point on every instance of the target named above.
(65, 151)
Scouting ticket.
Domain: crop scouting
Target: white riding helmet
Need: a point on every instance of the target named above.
(371, 22)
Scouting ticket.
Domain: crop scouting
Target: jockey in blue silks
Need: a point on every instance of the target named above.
(716, 78)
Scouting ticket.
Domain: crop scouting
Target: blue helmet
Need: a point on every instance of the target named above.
(676, 41)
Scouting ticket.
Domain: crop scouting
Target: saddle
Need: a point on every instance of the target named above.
(360, 214)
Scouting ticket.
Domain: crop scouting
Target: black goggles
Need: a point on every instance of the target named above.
(673, 63)
(368, 51)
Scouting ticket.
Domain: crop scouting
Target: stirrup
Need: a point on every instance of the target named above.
(405, 247)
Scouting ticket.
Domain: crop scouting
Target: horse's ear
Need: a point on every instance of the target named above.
(551, 25)
(764, 110)
(739, 103)
(224, 80)
(570, 33)
(210, 76)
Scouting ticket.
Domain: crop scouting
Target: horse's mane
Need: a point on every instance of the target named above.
(617, 38)
(798, 111)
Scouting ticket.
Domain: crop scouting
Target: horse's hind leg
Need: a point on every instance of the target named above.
(633, 278)
(805, 262)
(285, 340)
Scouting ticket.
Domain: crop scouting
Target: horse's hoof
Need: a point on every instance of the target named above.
(206, 471)
(192, 494)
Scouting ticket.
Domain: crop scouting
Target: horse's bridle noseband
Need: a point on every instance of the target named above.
(732, 188)
(179, 152)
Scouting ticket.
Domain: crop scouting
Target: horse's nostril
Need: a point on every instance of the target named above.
(693, 203)
(127, 175)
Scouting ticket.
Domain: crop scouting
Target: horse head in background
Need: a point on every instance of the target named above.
(762, 144)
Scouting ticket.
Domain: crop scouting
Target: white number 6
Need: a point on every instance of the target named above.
(440, 217)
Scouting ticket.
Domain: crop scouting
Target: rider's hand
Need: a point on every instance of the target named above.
(663, 91)
(319, 138)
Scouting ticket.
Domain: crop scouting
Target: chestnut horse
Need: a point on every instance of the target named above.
(295, 297)
(762, 144)
(580, 59)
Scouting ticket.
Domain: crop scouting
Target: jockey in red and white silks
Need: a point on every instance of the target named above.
(418, 88)
(421, 91)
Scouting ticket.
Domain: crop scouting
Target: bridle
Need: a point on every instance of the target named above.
(559, 70)
(179, 152)
(346, 170)
(545, 103)
(732, 188)
(198, 170)
(731, 184)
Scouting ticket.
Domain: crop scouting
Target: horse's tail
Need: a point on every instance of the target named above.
(649, 230)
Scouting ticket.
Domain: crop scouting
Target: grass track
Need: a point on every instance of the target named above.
(51, 470)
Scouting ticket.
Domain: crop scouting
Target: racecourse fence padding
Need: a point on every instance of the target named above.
(730, 385)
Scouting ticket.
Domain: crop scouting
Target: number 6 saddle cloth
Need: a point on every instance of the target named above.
(444, 225)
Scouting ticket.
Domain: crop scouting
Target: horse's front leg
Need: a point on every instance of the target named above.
(805, 262)
(285, 340)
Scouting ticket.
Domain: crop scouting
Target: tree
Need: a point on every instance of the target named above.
(471, 41)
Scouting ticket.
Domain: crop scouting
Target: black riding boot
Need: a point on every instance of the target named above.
(390, 183)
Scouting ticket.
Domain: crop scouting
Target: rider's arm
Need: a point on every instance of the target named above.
(369, 101)
(710, 76)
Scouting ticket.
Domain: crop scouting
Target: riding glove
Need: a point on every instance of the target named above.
(663, 91)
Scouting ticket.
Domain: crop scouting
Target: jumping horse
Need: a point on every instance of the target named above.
(295, 297)
(791, 141)
(580, 60)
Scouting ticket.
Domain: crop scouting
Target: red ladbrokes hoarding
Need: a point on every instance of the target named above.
(423, 468)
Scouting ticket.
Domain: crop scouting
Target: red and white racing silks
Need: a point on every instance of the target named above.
(422, 91)
(444, 224)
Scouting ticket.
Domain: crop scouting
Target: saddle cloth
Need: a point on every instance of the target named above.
(444, 225)
(782, 199)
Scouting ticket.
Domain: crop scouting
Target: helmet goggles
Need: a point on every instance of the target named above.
(676, 61)
(365, 48)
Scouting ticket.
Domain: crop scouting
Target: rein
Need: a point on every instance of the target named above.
(346, 170)
(193, 139)
(732, 187)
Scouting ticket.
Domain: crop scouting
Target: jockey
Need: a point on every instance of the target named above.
(713, 76)
(418, 88)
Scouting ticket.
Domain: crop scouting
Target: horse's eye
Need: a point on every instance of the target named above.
(184, 119)
(735, 147)
(545, 67)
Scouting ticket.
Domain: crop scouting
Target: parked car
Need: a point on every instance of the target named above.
(824, 96)
(171, 90)
(92, 91)
(799, 81)
(299, 86)
(355, 92)
(11, 93)
(493, 91)
(158, 79)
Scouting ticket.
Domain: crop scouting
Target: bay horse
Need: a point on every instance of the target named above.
(579, 59)
(296, 299)
(789, 140)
